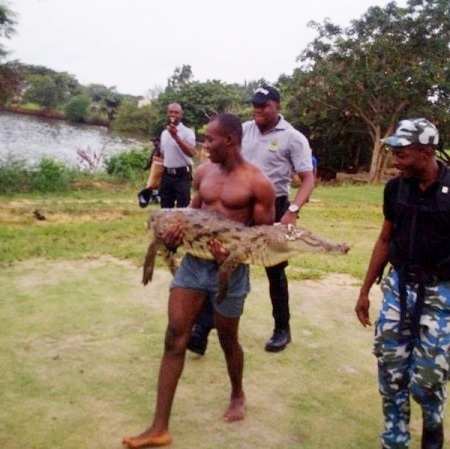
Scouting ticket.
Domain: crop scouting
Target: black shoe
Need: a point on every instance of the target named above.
(198, 340)
(279, 340)
(433, 439)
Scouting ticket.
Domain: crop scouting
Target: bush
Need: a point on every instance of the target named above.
(77, 109)
(14, 177)
(134, 120)
(51, 176)
(128, 165)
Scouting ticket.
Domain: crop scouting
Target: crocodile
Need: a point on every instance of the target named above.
(263, 245)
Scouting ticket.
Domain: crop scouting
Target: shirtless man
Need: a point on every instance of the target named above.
(236, 189)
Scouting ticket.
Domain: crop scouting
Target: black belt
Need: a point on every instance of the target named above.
(177, 171)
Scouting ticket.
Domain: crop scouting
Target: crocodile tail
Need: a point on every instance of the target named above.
(149, 263)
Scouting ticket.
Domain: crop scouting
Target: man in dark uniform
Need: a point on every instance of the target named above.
(412, 336)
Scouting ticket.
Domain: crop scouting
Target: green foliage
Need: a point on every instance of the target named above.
(10, 73)
(48, 88)
(200, 101)
(181, 75)
(134, 120)
(47, 176)
(128, 164)
(42, 91)
(11, 81)
(105, 101)
(14, 177)
(77, 109)
(7, 26)
(360, 80)
(50, 176)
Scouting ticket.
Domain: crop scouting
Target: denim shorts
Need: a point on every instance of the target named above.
(202, 276)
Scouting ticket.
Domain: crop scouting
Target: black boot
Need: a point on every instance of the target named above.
(433, 439)
(198, 340)
(279, 340)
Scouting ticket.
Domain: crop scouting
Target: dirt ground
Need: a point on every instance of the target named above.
(99, 348)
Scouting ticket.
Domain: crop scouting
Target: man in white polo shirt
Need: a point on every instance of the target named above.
(275, 146)
(177, 149)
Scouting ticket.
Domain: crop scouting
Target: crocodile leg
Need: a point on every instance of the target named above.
(169, 258)
(149, 263)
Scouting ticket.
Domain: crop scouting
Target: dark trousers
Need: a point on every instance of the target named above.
(175, 190)
(278, 287)
(279, 295)
(278, 284)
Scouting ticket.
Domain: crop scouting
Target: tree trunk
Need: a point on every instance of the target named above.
(377, 157)
(376, 164)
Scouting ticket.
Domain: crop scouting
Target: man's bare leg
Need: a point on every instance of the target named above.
(184, 306)
(170, 371)
(227, 329)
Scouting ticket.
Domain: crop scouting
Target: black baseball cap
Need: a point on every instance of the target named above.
(264, 94)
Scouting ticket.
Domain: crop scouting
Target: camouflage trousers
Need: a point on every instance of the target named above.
(412, 365)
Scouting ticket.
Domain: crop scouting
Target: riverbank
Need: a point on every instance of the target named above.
(29, 137)
(51, 115)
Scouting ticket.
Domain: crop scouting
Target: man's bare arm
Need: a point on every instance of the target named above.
(264, 205)
(196, 200)
(378, 260)
(306, 187)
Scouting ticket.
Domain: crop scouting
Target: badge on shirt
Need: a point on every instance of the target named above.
(274, 145)
(444, 189)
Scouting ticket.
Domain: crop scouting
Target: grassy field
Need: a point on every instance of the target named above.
(81, 338)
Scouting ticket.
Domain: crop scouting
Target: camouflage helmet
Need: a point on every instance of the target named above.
(417, 130)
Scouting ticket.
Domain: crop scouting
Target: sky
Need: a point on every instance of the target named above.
(136, 45)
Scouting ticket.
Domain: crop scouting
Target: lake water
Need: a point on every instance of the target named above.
(29, 139)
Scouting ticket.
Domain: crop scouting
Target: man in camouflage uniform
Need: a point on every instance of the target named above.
(412, 335)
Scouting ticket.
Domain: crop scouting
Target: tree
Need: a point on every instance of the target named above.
(200, 101)
(134, 120)
(391, 63)
(42, 91)
(48, 88)
(77, 109)
(105, 100)
(180, 77)
(10, 73)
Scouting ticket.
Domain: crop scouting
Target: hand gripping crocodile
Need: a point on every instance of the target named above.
(263, 245)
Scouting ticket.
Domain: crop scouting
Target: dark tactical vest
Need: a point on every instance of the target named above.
(421, 239)
(420, 247)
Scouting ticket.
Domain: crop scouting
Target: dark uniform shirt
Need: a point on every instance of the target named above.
(421, 219)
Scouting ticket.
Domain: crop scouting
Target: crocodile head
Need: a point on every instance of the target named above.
(300, 237)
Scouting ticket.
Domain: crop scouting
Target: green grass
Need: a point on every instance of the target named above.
(81, 338)
(95, 223)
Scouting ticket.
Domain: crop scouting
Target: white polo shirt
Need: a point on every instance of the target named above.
(172, 153)
(279, 153)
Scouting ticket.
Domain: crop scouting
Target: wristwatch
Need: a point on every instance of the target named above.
(294, 209)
